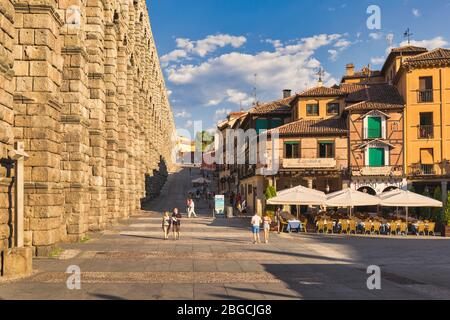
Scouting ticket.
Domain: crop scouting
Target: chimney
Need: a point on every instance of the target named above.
(350, 69)
(287, 93)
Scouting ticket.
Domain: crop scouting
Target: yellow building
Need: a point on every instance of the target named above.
(423, 79)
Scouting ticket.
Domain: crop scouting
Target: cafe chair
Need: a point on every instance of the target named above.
(431, 228)
(394, 228)
(403, 228)
(320, 227)
(352, 227)
(329, 228)
(420, 229)
(377, 227)
(367, 228)
(345, 226)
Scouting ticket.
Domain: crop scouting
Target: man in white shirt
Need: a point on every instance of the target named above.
(256, 224)
(192, 209)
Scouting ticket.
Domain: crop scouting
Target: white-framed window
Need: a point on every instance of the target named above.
(375, 127)
(377, 156)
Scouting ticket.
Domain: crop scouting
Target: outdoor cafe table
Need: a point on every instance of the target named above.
(293, 225)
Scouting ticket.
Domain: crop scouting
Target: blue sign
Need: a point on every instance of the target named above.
(219, 208)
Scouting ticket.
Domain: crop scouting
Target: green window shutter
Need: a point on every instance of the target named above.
(275, 123)
(376, 157)
(374, 128)
(261, 125)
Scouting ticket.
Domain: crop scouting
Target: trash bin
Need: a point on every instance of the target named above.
(229, 212)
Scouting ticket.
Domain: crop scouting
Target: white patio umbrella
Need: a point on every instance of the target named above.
(407, 199)
(299, 196)
(351, 198)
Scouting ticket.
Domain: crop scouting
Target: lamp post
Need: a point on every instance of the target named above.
(19, 156)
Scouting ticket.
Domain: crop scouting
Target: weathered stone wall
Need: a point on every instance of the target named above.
(81, 86)
(7, 36)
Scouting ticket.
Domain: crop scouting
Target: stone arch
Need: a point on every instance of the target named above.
(368, 190)
(391, 188)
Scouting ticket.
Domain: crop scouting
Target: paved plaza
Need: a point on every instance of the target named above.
(215, 259)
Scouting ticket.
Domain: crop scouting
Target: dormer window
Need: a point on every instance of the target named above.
(375, 125)
(312, 110)
(333, 109)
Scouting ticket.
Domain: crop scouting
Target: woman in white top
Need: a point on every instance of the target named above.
(256, 224)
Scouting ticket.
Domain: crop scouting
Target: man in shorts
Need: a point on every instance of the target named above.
(256, 224)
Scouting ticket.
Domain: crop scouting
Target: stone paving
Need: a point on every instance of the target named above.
(215, 259)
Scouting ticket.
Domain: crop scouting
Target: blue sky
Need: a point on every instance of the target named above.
(211, 49)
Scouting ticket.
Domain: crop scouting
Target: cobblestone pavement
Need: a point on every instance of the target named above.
(215, 259)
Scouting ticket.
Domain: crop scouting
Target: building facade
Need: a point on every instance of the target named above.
(423, 80)
(375, 131)
(81, 87)
(376, 146)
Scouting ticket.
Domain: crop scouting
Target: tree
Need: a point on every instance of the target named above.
(270, 193)
(204, 138)
(447, 211)
(438, 212)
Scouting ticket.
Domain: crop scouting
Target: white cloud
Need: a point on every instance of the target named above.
(221, 114)
(189, 124)
(376, 35)
(430, 44)
(239, 98)
(181, 113)
(227, 80)
(333, 54)
(416, 13)
(213, 102)
(173, 56)
(377, 60)
(342, 43)
(275, 43)
(200, 48)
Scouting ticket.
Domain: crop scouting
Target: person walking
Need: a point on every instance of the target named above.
(166, 221)
(278, 220)
(266, 225)
(192, 209)
(176, 224)
(188, 205)
(256, 224)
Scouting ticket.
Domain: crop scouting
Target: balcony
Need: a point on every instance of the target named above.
(425, 96)
(419, 170)
(424, 170)
(313, 163)
(426, 132)
(386, 171)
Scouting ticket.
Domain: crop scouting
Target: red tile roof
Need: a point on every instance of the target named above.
(275, 107)
(367, 105)
(383, 93)
(437, 56)
(409, 49)
(308, 127)
(321, 92)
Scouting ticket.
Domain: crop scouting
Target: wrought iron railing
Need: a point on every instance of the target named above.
(426, 131)
(425, 96)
